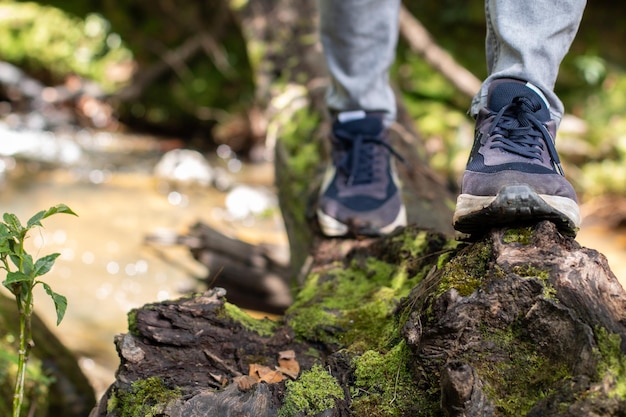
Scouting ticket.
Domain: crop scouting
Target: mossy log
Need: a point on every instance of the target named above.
(523, 322)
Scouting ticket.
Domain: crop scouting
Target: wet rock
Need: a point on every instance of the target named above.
(40, 146)
(245, 201)
(184, 167)
(129, 349)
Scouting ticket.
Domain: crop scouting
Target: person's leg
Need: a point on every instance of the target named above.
(360, 193)
(359, 39)
(527, 40)
(513, 174)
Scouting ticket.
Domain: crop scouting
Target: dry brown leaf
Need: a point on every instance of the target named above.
(288, 372)
(262, 373)
(257, 371)
(220, 379)
(286, 354)
(272, 377)
(245, 382)
(287, 364)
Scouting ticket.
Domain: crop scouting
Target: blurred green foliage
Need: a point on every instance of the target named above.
(191, 98)
(52, 44)
(98, 40)
(37, 382)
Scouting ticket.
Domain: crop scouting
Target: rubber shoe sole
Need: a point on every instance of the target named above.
(332, 227)
(515, 204)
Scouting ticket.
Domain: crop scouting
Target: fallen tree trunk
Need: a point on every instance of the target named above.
(521, 322)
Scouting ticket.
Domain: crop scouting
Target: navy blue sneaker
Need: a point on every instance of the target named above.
(360, 194)
(514, 175)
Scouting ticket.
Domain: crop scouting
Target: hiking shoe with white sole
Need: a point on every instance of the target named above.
(514, 175)
(360, 194)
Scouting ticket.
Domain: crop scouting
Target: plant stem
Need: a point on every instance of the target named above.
(21, 282)
(25, 309)
(18, 396)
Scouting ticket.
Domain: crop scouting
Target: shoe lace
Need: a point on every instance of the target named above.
(520, 132)
(360, 160)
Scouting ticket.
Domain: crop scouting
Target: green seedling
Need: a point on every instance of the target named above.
(22, 275)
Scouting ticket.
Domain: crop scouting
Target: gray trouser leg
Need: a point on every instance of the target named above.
(359, 39)
(528, 39)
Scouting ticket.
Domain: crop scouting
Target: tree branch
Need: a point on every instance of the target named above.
(423, 44)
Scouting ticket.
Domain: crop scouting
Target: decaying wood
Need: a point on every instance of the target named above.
(257, 276)
(534, 311)
(193, 345)
(561, 327)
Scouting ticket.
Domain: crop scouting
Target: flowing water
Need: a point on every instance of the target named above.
(106, 269)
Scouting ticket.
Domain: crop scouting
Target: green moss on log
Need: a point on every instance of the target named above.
(466, 271)
(612, 361)
(383, 383)
(145, 398)
(521, 376)
(263, 327)
(549, 292)
(341, 319)
(356, 307)
(313, 392)
(521, 235)
(352, 305)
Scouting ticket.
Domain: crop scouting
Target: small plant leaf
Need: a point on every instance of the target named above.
(36, 219)
(4, 245)
(23, 263)
(44, 264)
(60, 302)
(15, 277)
(59, 208)
(21, 282)
(13, 223)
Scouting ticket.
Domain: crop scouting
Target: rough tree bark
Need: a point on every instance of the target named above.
(522, 321)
